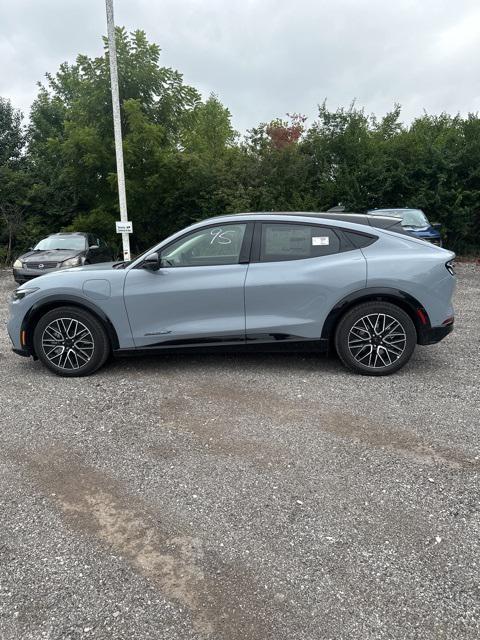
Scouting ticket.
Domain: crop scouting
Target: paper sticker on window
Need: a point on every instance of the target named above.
(320, 241)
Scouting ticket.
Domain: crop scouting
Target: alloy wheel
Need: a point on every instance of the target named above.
(67, 343)
(377, 340)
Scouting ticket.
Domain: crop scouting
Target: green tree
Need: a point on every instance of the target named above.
(184, 161)
(71, 133)
(13, 177)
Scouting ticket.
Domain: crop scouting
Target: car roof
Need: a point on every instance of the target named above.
(352, 222)
(373, 211)
(380, 222)
(68, 233)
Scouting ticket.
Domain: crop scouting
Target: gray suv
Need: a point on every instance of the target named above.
(60, 251)
(246, 281)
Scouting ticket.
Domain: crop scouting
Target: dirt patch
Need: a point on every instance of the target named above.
(213, 435)
(214, 427)
(222, 599)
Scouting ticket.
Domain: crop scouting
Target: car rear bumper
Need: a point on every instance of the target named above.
(432, 335)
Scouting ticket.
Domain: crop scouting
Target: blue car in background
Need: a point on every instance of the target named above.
(415, 222)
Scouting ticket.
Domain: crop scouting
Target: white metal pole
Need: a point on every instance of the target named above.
(117, 125)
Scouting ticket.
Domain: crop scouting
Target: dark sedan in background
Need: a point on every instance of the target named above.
(60, 251)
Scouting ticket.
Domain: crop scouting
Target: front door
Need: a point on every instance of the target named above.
(197, 295)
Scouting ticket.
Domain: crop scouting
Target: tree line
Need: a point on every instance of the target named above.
(184, 161)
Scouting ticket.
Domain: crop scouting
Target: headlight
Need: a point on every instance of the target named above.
(17, 264)
(73, 262)
(19, 294)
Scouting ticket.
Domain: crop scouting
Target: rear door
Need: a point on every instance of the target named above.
(197, 296)
(297, 274)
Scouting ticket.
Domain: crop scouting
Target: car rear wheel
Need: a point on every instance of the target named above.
(375, 338)
(71, 342)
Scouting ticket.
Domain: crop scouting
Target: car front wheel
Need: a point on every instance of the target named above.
(375, 338)
(71, 342)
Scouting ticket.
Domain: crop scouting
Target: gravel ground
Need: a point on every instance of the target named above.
(243, 497)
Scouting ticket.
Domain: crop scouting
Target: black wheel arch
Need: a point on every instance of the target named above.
(52, 302)
(403, 300)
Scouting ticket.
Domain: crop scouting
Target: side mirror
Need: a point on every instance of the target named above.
(437, 225)
(93, 246)
(152, 262)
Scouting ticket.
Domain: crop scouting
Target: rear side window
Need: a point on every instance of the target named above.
(359, 240)
(282, 241)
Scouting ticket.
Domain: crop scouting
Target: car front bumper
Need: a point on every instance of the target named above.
(24, 275)
(17, 310)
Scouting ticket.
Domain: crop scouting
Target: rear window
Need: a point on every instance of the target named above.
(282, 241)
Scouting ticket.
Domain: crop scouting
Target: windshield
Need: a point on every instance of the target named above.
(75, 243)
(410, 217)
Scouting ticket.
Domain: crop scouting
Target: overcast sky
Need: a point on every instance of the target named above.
(264, 58)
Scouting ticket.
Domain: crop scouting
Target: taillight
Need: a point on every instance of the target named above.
(450, 267)
(422, 315)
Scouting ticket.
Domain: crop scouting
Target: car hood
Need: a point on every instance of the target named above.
(50, 255)
(102, 266)
(99, 266)
(75, 277)
(426, 231)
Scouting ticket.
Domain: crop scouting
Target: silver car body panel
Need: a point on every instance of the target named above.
(188, 303)
(293, 298)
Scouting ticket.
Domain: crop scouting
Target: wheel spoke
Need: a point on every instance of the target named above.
(379, 355)
(353, 340)
(361, 335)
(367, 355)
(53, 349)
(81, 354)
(53, 333)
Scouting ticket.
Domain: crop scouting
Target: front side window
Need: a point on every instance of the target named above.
(296, 242)
(209, 246)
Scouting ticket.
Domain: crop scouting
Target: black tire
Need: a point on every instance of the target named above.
(71, 357)
(375, 338)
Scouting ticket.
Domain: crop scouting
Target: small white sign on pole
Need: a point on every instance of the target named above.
(124, 227)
